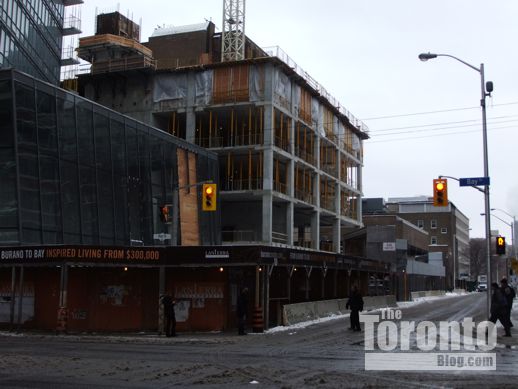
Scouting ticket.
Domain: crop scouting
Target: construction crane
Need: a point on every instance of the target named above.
(233, 37)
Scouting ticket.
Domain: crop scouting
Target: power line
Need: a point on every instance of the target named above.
(440, 124)
(439, 128)
(432, 112)
(435, 135)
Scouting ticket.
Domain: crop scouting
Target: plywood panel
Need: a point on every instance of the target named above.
(230, 84)
(188, 198)
(305, 105)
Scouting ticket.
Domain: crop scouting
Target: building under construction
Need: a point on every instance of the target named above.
(114, 216)
(290, 156)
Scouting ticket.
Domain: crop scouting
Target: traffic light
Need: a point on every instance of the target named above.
(164, 214)
(208, 198)
(500, 245)
(440, 192)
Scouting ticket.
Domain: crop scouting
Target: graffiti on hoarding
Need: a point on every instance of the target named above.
(181, 310)
(80, 253)
(27, 302)
(114, 294)
(78, 314)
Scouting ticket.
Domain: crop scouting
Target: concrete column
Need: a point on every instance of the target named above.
(63, 287)
(190, 130)
(267, 199)
(266, 305)
(336, 235)
(267, 176)
(359, 199)
(323, 290)
(315, 230)
(289, 223)
(20, 299)
(315, 217)
(290, 219)
(13, 297)
(161, 292)
(335, 283)
(190, 120)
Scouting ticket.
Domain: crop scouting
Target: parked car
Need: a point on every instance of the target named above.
(482, 287)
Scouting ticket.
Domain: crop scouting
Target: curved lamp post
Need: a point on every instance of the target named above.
(486, 90)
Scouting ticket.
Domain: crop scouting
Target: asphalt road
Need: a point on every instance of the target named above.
(325, 355)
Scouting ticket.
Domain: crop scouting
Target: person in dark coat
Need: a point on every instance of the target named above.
(169, 315)
(509, 294)
(242, 310)
(499, 308)
(355, 303)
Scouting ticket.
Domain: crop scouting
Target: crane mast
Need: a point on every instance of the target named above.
(233, 36)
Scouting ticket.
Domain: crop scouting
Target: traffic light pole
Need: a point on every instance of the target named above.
(486, 187)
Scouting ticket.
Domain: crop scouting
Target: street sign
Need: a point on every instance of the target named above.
(474, 181)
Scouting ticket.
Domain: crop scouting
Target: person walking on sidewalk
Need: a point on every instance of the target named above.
(355, 302)
(499, 308)
(509, 294)
(242, 310)
(169, 315)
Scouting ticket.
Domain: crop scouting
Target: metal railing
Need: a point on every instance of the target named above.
(280, 187)
(282, 143)
(228, 141)
(330, 169)
(279, 237)
(244, 184)
(327, 203)
(307, 156)
(276, 51)
(121, 64)
(304, 196)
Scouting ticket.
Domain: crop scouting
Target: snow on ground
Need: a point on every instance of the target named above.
(305, 324)
(400, 304)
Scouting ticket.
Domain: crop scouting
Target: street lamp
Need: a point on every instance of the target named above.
(486, 90)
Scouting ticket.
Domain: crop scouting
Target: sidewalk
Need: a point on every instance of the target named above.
(132, 337)
(509, 342)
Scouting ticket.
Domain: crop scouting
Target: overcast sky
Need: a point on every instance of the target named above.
(364, 52)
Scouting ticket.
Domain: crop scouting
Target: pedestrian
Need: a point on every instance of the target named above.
(509, 294)
(499, 308)
(169, 315)
(355, 303)
(242, 310)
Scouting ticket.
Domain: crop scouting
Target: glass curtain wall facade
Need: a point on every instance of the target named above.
(31, 37)
(74, 172)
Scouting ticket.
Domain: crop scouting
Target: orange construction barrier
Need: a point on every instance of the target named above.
(257, 322)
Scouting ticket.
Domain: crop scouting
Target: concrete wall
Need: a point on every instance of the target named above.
(427, 293)
(296, 313)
